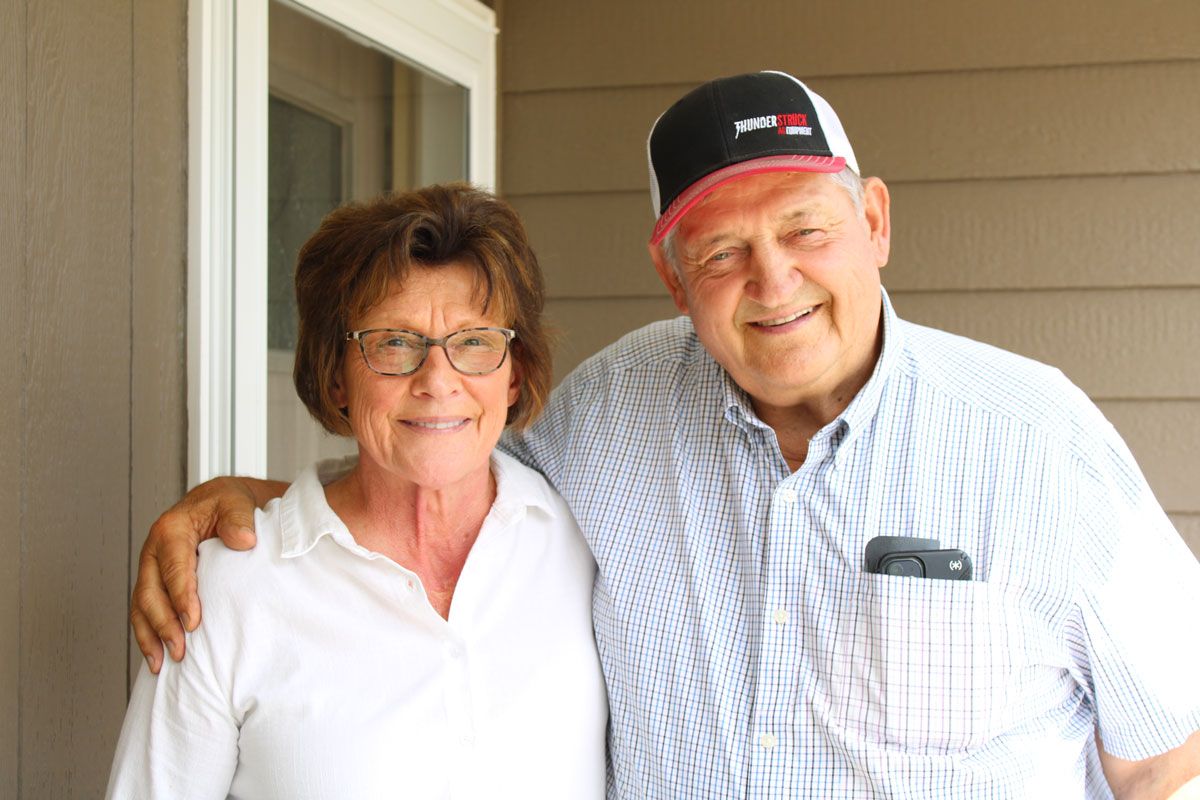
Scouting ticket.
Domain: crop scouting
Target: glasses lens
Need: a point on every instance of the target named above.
(477, 351)
(393, 352)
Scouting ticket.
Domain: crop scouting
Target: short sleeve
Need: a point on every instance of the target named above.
(1137, 595)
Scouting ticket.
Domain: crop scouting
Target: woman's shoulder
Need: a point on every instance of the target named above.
(238, 578)
(518, 483)
(225, 575)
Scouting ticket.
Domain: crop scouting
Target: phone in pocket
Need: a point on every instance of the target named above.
(914, 557)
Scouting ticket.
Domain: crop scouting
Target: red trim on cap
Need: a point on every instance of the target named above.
(703, 187)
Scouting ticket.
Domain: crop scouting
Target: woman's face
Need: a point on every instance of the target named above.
(436, 427)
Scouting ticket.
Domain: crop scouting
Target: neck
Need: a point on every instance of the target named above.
(427, 530)
(797, 422)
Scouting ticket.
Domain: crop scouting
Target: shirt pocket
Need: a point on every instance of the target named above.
(926, 665)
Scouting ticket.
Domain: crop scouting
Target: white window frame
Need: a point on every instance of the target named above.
(227, 190)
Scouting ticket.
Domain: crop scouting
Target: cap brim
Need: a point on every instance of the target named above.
(701, 188)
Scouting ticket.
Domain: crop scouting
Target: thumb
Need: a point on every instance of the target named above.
(235, 525)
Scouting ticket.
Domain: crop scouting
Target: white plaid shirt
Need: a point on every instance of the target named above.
(746, 652)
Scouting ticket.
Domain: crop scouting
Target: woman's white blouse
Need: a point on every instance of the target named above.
(321, 670)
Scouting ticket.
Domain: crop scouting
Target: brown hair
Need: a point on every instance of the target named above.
(361, 249)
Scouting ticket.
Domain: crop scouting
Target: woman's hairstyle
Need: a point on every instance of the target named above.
(363, 250)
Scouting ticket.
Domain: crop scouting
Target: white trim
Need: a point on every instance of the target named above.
(210, 237)
(227, 189)
(249, 400)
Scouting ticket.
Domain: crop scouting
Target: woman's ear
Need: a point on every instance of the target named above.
(337, 392)
(514, 383)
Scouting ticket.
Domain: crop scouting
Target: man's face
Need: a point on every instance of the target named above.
(780, 275)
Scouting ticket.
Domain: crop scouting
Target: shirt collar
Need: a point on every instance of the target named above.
(305, 516)
(862, 409)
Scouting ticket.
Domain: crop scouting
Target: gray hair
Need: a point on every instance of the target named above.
(847, 179)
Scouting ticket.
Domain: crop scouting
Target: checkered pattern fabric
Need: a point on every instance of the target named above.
(748, 655)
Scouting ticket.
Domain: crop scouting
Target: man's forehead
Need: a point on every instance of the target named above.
(772, 198)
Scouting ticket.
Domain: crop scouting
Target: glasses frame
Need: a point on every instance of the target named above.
(509, 335)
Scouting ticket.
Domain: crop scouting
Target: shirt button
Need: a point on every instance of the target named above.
(767, 740)
(787, 495)
(781, 615)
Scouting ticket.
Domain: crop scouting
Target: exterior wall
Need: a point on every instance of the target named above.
(92, 414)
(1042, 157)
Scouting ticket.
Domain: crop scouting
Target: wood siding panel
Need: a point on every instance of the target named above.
(1188, 526)
(547, 44)
(592, 245)
(1019, 123)
(1164, 437)
(1112, 231)
(13, 317)
(73, 641)
(158, 473)
(1131, 344)
(586, 326)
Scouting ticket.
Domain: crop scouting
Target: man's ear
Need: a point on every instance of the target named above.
(877, 207)
(669, 277)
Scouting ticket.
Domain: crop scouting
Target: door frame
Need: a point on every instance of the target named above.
(227, 189)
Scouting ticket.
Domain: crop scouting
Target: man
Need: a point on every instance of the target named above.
(730, 467)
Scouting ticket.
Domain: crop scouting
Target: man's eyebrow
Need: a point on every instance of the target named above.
(807, 212)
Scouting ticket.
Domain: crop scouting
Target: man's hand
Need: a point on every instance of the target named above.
(1170, 775)
(164, 601)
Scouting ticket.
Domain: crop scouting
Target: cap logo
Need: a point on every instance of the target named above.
(785, 125)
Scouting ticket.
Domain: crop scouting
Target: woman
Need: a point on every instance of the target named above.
(421, 626)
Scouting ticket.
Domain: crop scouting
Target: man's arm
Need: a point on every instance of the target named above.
(1159, 777)
(164, 601)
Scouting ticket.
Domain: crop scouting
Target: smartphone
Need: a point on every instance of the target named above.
(914, 557)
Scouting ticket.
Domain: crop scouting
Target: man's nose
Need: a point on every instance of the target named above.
(775, 274)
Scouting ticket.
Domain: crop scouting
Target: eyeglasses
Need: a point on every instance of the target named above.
(471, 351)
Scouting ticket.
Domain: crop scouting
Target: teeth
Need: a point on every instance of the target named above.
(785, 320)
(437, 426)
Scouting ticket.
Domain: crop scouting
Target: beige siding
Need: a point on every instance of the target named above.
(549, 44)
(1188, 526)
(91, 384)
(12, 359)
(999, 124)
(158, 388)
(76, 526)
(1042, 159)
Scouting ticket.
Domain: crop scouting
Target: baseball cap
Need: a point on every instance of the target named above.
(731, 127)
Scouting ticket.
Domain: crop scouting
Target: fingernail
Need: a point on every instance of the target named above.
(186, 622)
(171, 647)
(150, 662)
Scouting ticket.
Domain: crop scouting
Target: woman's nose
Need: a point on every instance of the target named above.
(436, 376)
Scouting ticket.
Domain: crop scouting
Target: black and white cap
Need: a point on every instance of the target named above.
(732, 127)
